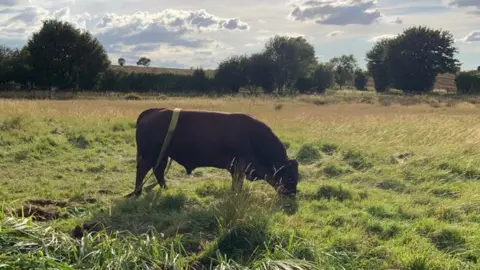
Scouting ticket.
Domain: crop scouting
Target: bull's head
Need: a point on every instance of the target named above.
(285, 179)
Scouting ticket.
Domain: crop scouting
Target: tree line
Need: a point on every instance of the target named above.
(61, 56)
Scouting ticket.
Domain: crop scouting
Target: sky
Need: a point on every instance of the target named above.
(201, 33)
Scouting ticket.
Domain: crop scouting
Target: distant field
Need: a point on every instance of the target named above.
(386, 183)
(443, 81)
(159, 70)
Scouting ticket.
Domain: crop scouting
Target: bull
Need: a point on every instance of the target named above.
(213, 139)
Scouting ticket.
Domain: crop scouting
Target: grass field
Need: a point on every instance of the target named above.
(383, 185)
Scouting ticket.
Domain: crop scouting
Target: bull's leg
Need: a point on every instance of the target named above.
(143, 166)
(160, 173)
(238, 174)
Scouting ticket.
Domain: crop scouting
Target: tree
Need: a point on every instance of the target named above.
(478, 69)
(377, 65)
(343, 68)
(468, 82)
(322, 78)
(261, 72)
(292, 58)
(200, 80)
(231, 74)
(20, 71)
(418, 55)
(63, 56)
(121, 61)
(143, 61)
(304, 84)
(6, 55)
(361, 79)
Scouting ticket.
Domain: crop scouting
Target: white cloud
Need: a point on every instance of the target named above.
(18, 22)
(380, 37)
(398, 20)
(338, 12)
(128, 34)
(335, 33)
(174, 36)
(472, 5)
(473, 36)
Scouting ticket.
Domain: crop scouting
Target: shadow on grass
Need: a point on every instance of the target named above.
(233, 226)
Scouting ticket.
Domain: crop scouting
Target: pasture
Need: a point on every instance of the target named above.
(386, 183)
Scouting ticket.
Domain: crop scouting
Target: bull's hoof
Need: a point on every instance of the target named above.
(135, 194)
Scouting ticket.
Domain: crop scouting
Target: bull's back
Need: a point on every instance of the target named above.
(200, 130)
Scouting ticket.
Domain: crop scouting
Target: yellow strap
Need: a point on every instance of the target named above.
(168, 137)
(166, 142)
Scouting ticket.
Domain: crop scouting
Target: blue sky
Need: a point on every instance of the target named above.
(193, 33)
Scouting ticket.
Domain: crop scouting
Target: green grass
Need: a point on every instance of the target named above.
(382, 187)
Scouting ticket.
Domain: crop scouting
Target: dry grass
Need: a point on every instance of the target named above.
(159, 70)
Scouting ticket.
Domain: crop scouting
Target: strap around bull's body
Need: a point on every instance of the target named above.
(168, 137)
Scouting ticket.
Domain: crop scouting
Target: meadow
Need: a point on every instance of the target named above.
(387, 182)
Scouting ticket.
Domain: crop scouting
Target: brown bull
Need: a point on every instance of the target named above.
(213, 139)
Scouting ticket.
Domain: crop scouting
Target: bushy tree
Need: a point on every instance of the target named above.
(261, 72)
(361, 80)
(200, 81)
(6, 55)
(343, 68)
(121, 61)
(61, 55)
(468, 82)
(20, 70)
(305, 84)
(323, 78)
(231, 74)
(293, 58)
(143, 61)
(377, 65)
(418, 55)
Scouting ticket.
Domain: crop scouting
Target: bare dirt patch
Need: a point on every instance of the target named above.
(42, 202)
(106, 192)
(37, 213)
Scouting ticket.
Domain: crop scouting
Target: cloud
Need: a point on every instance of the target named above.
(18, 22)
(9, 3)
(173, 27)
(338, 12)
(462, 3)
(135, 34)
(472, 5)
(380, 37)
(168, 26)
(473, 36)
(334, 33)
(176, 20)
(398, 20)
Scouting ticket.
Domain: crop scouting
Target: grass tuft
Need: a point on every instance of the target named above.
(308, 154)
(339, 193)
